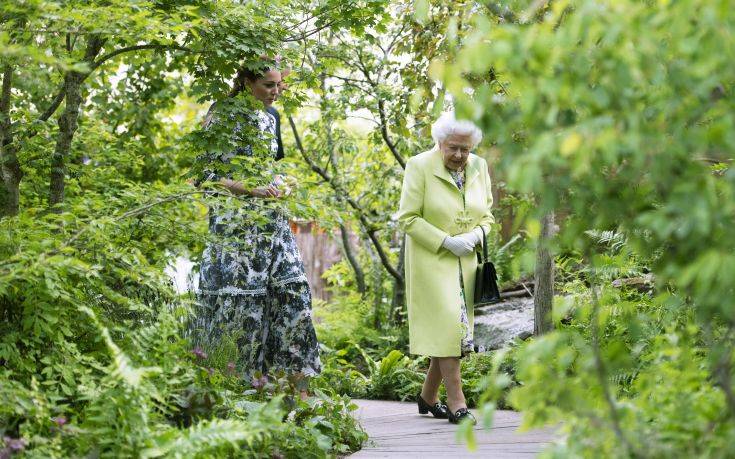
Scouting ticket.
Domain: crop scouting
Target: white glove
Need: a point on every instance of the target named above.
(473, 237)
(458, 246)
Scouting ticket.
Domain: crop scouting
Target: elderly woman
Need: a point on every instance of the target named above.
(445, 200)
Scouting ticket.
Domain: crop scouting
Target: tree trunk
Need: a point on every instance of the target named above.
(68, 123)
(67, 127)
(10, 169)
(377, 279)
(349, 253)
(544, 278)
(342, 194)
(352, 260)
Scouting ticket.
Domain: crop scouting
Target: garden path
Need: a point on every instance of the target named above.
(397, 430)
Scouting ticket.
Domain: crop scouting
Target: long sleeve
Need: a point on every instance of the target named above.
(277, 116)
(410, 212)
(208, 160)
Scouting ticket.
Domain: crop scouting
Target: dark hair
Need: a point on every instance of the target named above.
(246, 73)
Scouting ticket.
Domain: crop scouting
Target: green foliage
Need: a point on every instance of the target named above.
(346, 317)
(342, 372)
(102, 350)
(351, 371)
(657, 369)
(209, 437)
(644, 353)
(91, 348)
(616, 115)
(478, 373)
(612, 114)
(394, 377)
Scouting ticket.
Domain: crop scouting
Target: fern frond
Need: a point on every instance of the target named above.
(501, 251)
(612, 239)
(201, 437)
(390, 362)
(624, 377)
(122, 365)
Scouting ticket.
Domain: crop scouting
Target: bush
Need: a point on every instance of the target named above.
(93, 359)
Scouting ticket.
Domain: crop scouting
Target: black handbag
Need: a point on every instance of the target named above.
(486, 282)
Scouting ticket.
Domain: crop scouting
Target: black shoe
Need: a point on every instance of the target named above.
(460, 414)
(438, 410)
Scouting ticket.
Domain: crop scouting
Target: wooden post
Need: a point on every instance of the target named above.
(543, 297)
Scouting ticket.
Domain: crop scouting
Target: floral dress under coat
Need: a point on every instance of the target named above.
(467, 342)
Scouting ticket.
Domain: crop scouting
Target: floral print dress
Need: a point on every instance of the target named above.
(252, 286)
(467, 343)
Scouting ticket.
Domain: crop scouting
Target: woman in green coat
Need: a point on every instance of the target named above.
(445, 199)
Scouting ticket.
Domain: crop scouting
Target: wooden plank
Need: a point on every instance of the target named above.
(397, 430)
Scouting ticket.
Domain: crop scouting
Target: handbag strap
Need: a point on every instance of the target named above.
(484, 247)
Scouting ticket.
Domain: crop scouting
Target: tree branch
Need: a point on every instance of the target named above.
(381, 110)
(61, 94)
(309, 33)
(502, 13)
(353, 81)
(370, 228)
(53, 107)
(352, 259)
(395, 39)
(297, 25)
(128, 49)
(386, 137)
(346, 246)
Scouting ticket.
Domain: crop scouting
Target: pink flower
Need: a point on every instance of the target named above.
(260, 381)
(231, 367)
(199, 353)
(15, 444)
(60, 421)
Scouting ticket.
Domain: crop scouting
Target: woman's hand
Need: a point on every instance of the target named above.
(471, 237)
(270, 191)
(458, 246)
(238, 188)
(285, 183)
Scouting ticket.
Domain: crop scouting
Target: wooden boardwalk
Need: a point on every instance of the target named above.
(397, 430)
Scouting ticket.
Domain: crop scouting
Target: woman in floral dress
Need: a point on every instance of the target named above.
(253, 287)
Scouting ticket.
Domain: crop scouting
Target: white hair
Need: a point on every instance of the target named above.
(447, 125)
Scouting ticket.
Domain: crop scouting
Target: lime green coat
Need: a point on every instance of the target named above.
(431, 208)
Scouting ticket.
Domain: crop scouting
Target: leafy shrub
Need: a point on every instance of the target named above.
(93, 360)
(340, 373)
(394, 377)
(626, 140)
(477, 372)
